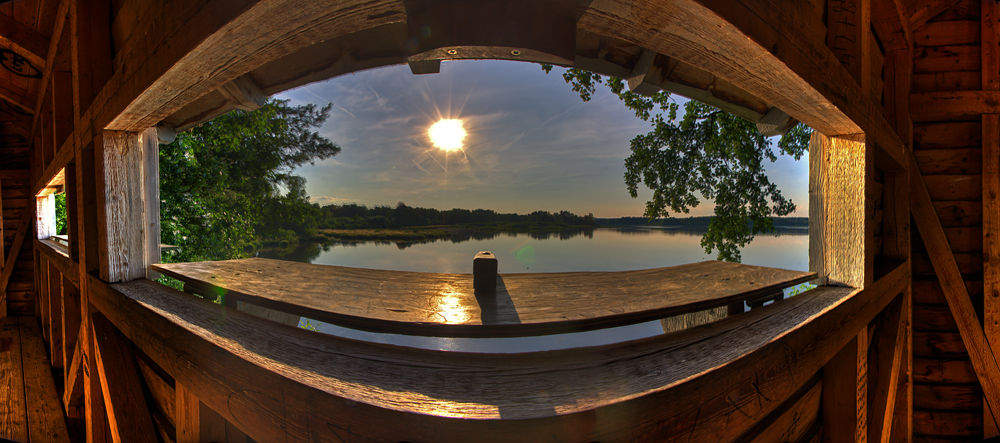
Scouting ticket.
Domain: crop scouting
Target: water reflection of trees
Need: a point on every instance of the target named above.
(309, 251)
(669, 231)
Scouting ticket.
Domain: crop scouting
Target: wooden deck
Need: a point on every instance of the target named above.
(29, 406)
(418, 303)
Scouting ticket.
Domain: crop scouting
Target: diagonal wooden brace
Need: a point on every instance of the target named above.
(983, 360)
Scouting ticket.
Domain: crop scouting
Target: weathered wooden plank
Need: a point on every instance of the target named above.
(885, 357)
(970, 265)
(846, 212)
(45, 416)
(845, 399)
(793, 423)
(197, 422)
(954, 288)
(961, 239)
(13, 415)
(125, 403)
(948, 423)
(957, 58)
(968, 396)
(55, 316)
(55, 254)
(990, 46)
(959, 213)
(25, 41)
(948, 33)
(848, 35)
(921, 11)
(954, 187)
(412, 303)
(929, 291)
(121, 231)
(156, 319)
(96, 420)
(934, 318)
(70, 324)
(150, 200)
(937, 370)
(72, 398)
(953, 105)
(960, 161)
(162, 391)
(892, 24)
(938, 344)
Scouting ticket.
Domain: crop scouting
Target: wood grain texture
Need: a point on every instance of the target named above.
(845, 405)
(937, 370)
(121, 232)
(70, 324)
(525, 304)
(12, 255)
(955, 397)
(55, 316)
(198, 423)
(156, 319)
(150, 200)
(124, 400)
(953, 105)
(954, 288)
(885, 357)
(13, 415)
(948, 33)
(948, 423)
(921, 11)
(45, 416)
(890, 21)
(945, 135)
(845, 212)
(793, 422)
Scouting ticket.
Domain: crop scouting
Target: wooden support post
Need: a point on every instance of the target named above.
(121, 231)
(151, 199)
(96, 417)
(845, 393)
(990, 48)
(124, 400)
(72, 216)
(953, 286)
(902, 420)
(849, 37)
(198, 423)
(71, 325)
(885, 357)
(43, 294)
(55, 316)
(841, 173)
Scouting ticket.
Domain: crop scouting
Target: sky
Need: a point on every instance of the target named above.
(532, 143)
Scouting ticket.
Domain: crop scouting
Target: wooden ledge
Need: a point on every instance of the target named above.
(58, 255)
(445, 305)
(282, 383)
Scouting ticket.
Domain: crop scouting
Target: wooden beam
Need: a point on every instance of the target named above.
(892, 25)
(841, 173)
(96, 420)
(228, 376)
(953, 105)
(57, 33)
(151, 199)
(70, 309)
(124, 401)
(196, 423)
(244, 93)
(848, 36)
(953, 286)
(845, 399)
(15, 250)
(55, 316)
(886, 356)
(27, 43)
(72, 400)
(990, 48)
(924, 10)
(121, 232)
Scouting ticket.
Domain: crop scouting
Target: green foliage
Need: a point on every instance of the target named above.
(61, 214)
(227, 185)
(705, 152)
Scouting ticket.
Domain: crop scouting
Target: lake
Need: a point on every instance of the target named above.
(602, 249)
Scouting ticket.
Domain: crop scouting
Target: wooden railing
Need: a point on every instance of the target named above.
(164, 362)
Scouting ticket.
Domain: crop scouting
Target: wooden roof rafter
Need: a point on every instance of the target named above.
(924, 10)
(30, 44)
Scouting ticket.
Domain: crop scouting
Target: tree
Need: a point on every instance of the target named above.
(705, 151)
(229, 183)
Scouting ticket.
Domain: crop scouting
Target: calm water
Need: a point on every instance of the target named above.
(597, 250)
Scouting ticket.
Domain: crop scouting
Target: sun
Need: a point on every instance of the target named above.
(447, 134)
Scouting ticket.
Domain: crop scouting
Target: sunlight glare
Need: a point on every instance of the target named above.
(447, 134)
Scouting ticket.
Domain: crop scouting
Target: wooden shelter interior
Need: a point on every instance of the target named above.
(895, 345)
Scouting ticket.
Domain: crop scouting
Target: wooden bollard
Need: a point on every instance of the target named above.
(484, 272)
